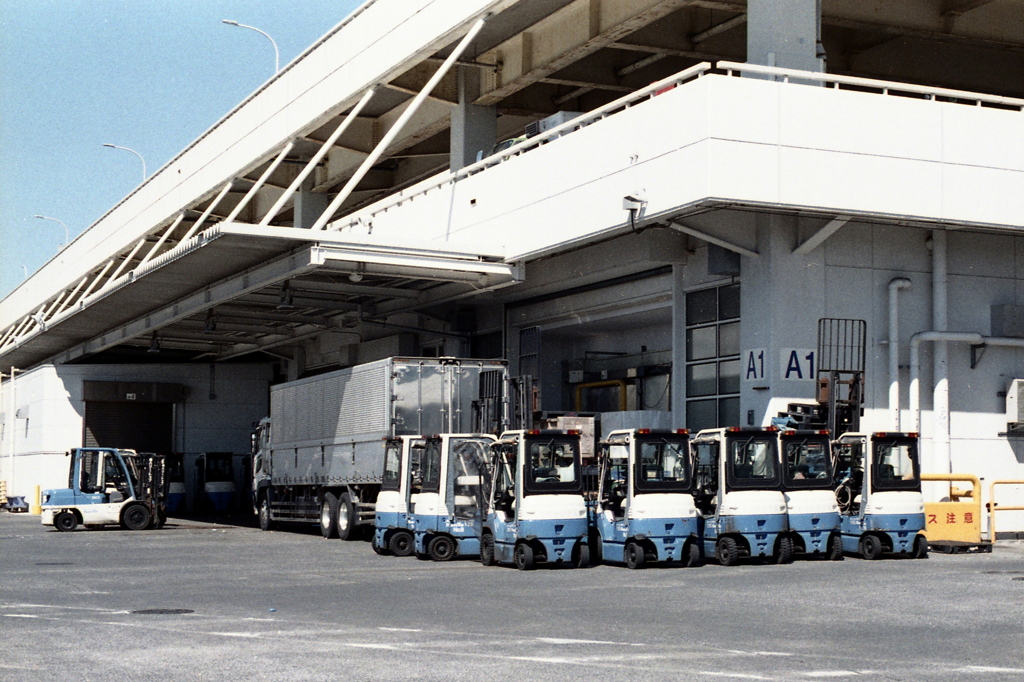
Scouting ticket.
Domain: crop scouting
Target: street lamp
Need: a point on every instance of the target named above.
(67, 238)
(114, 146)
(277, 55)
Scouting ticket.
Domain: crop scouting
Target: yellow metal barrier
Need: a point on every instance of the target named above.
(36, 507)
(955, 523)
(993, 506)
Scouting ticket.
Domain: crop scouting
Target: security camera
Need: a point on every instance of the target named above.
(632, 203)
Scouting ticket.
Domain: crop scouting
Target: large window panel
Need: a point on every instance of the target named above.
(713, 357)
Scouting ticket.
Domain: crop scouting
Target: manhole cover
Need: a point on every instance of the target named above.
(163, 612)
(54, 563)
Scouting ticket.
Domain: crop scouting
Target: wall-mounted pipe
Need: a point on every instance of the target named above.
(895, 285)
(940, 359)
(915, 368)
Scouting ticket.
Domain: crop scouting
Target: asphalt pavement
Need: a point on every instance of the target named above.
(215, 601)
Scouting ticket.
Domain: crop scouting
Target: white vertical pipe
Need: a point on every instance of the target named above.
(940, 365)
(318, 157)
(396, 128)
(895, 285)
(915, 364)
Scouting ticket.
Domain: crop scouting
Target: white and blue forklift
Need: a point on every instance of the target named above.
(739, 495)
(808, 487)
(645, 510)
(879, 494)
(536, 510)
(447, 512)
(400, 485)
(107, 486)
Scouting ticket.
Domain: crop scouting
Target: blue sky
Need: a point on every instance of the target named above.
(151, 75)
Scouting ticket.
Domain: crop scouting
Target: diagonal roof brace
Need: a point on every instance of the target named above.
(819, 237)
(711, 239)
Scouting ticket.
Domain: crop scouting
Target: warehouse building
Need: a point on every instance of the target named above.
(663, 212)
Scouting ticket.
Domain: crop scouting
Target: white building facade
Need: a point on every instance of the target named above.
(731, 198)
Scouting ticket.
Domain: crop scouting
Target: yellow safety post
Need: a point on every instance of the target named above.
(955, 524)
(993, 507)
(37, 506)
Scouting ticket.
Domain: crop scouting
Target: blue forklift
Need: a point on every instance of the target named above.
(536, 511)
(645, 510)
(808, 486)
(739, 482)
(447, 512)
(400, 484)
(107, 486)
(879, 494)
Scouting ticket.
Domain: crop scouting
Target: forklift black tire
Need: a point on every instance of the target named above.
(835, 548)
(633, 555)
(581, 555)
(161, 519)
(441, 548)
(487, 550)
(691, 555)
(920, 547)
(382, 551)
(523, 556)
(401, 543)
(870, 547)
(263, 512)
(65, 521)
(727, 551)
(346, 518)
(784, 555)
(329, 516)
(136, 517)
(596, 548)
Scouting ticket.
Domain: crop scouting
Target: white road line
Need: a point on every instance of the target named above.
(400, 629)
(989, 669)
(558, 640)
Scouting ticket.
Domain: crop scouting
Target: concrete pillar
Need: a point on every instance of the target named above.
(309, 205)
(474, 129)
(785, 33)
(678, 346)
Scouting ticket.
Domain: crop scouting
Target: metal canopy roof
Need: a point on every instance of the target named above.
(253, 287)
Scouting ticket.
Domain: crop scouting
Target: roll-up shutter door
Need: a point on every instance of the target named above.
(144, 427)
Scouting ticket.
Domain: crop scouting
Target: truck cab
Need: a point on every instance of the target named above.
(107, 486)
(645, 510)
(400, 484)
(739, 480)
(536, 510)
(808, 486)
(879, 494)
(447, 512)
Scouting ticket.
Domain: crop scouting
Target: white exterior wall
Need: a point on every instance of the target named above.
(52, 396)
(784, 295)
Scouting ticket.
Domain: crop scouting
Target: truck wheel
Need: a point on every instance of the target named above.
(634, 555)
(920, 547)
(329, 516)
(691, 555)
(136, 517)
(66, 521)
(870, 547)
(785, 553)
(401, 543)
(263, 512)
(727, 551)
(346, 517)
(441, 548)
(523, 556)
(835, 548)
(487, 550)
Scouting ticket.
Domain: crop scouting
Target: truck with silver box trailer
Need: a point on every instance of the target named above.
(319, 456)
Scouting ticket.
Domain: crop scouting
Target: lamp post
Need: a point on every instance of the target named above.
(277, 55)
(67, 238)
(114, 146)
